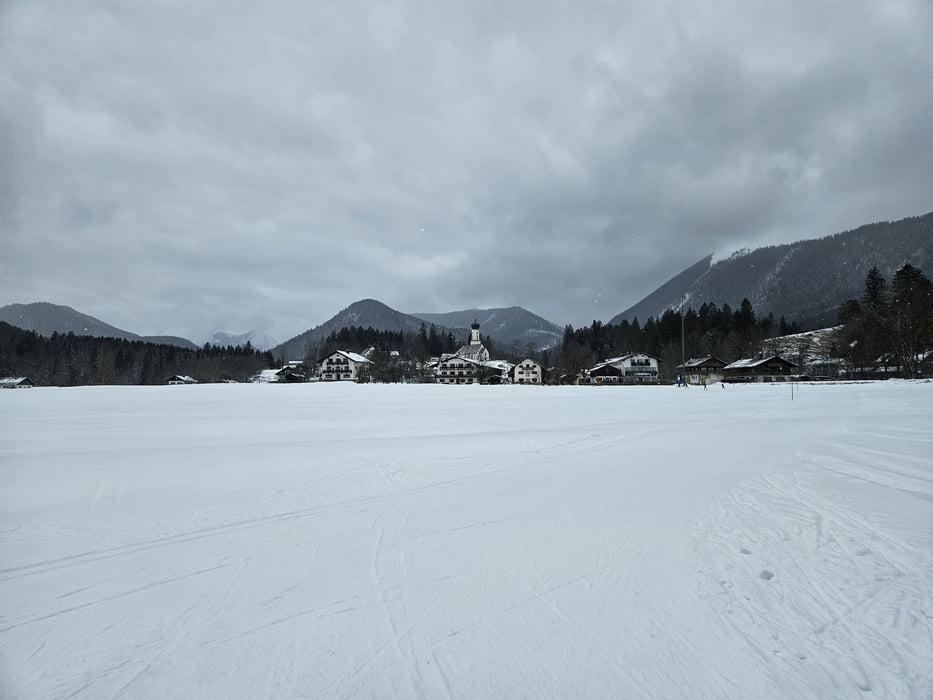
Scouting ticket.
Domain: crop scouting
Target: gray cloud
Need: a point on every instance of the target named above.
(183, 167)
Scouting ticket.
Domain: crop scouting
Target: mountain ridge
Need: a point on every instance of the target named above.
(507, 326)
(46, 318)
(805, 280)
(364, 313)
(257, 339)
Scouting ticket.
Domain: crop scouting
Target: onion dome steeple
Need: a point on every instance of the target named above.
(474, 333)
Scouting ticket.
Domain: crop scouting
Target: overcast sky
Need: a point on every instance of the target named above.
(178, 167)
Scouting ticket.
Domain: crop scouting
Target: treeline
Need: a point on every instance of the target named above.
(75, 360)
(890, 328)
(427, 342)
(712, 330)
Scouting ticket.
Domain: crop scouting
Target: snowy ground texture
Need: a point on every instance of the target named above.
(345, 541)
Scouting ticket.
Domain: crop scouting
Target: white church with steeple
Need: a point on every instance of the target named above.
(475, 350)
(466, 365)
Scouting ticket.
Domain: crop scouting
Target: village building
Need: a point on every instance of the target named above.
(16, 383)
(702, 370)
(182, 379)
(528, 372)
(468, 364)
(760, 369)
(497, 372)
(474, 350)
(293, 372)
(632, 368)
(454, 369)
(343, 366)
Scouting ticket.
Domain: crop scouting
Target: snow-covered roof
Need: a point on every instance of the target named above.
(183, 378)
(618, 361)
(698, 361)
(500, 365)
(607, 363)
(468, 350)
(461, 358)
(266, 376)
(14, 381)
(751, 362)
(355, 356)
(745, 363)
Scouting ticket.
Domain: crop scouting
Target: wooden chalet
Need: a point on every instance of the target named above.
(761, 369)
(16, 383)
(633, 368)
(182, 379)
(702, 370)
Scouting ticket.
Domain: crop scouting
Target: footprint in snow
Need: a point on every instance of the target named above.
(745, 551)
(766, 575)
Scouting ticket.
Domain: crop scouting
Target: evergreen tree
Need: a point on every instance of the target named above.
(911, 317)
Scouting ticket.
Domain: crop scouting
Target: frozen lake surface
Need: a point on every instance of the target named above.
(350, 541)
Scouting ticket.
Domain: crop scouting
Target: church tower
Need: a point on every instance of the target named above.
(474, 333)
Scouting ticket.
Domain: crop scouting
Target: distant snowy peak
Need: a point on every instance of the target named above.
(259, 340)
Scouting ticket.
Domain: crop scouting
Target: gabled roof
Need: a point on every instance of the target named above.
(500, 365)
(608, 363)
(700, 361)
(356, 357)
(616, 361)
(462, 358)
(15, 381)
(752, 362)
(467, 350)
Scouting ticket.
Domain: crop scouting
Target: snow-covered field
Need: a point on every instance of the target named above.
(247, 541)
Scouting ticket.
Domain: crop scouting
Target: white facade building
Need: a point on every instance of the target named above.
(342, 366)
(633, 368)
(182, 379)
(467, 365)
(528, 372)
(16, 383)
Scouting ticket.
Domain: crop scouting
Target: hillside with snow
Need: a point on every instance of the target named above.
(804, 281)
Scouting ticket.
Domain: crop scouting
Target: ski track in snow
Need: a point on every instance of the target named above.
(456, 542)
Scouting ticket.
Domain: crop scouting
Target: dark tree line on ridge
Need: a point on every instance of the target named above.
(420, 345)
(424, 344)
(712, 330)
(74, 360)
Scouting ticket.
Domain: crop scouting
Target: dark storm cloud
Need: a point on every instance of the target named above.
(183, 167)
